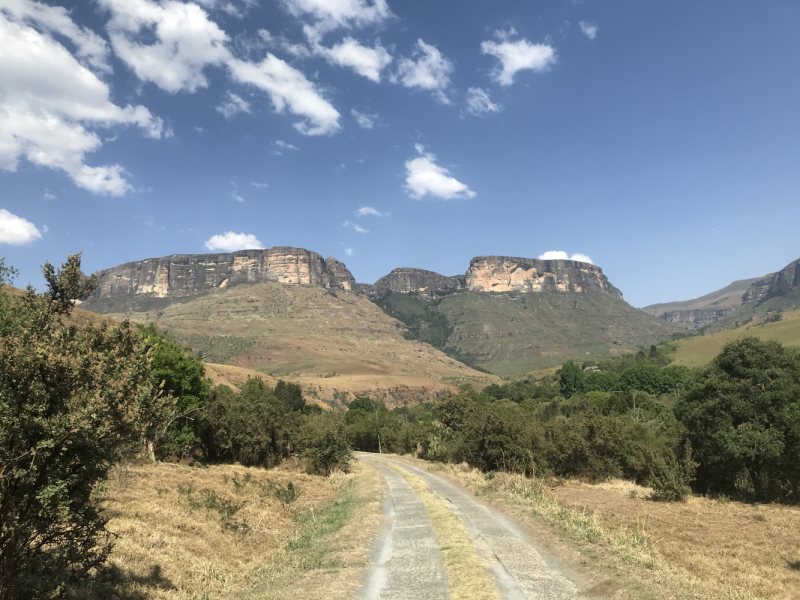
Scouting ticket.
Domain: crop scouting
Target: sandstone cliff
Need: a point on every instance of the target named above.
(697, 316)
(182, 275)
(774, 285)
(499, 274)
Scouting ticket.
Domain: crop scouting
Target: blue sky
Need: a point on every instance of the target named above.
(662, 140)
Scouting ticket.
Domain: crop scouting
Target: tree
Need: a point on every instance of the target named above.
(572, 378)
(743, 417)
(182, 376)
(291, 395)
(70, 397)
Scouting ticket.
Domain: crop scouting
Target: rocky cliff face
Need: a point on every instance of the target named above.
(190, 274)
(426, 284)
(506, 274)
(774, 285)
(697, 316)
(499, 274)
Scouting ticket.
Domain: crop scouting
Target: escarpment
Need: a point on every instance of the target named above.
(774, 285)
(499, 274)
(187, 275)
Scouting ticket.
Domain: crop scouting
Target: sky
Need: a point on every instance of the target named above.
(658, 140)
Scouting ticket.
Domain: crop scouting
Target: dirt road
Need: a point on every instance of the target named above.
(439, 541)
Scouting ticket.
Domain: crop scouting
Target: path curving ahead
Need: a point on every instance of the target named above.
(407, 562)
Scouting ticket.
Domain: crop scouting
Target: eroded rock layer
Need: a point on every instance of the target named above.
(190, 274)
(426, 284)
(774, 285)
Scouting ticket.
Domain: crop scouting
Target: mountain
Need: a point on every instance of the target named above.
(710, 307)
(536, 314)
(282, 312)
(740, 302)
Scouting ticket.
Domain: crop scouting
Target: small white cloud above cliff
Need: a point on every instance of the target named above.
(368, 210)
(560, 255)
(424, 177)
(231, 242)
(589, 29)
(349, 251)
(355, 227)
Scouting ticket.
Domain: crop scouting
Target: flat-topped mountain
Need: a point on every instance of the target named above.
(143, 283)
(498, 274)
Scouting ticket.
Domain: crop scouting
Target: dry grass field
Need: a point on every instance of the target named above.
(703, 549)
(697, 351)
(182, 537)
(335, 345)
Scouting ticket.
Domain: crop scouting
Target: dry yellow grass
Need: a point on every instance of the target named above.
(703, 549)
(466, 574)
(169, 550)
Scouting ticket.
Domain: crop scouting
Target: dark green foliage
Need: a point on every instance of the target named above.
(422, 318)
(181, 376)
(655, 380)
(572, 379)
(603, 381)
(70, 399)
(285, 495)
(290, 395)
(326, 444)
(743, 417)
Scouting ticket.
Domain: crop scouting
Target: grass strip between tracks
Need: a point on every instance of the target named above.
(467, 576)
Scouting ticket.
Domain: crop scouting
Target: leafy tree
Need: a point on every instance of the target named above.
(326, 444)
(572, 379)
(181, 376)
(70, 397)
(291, 395)
(743, 417)
(603, 381)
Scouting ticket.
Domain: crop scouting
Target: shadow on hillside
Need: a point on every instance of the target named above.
(116, 584)
(794, 566)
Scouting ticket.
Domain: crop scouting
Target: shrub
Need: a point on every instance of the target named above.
(327, 446)
(70, 398)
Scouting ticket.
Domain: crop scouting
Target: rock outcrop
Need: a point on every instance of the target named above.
(507, 274)
(499, 274)
(189, 274)
(697, 316)
(774, 285)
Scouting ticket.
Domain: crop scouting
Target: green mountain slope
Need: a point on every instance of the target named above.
(516, 332)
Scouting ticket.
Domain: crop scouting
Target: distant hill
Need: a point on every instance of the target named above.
(706, 308)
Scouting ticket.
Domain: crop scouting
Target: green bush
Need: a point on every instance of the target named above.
(326, 445)
(70, 398)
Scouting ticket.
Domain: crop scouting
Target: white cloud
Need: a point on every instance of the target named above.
(589, 29)
(285, 145)
(424, 176)
(49, 101)
(262, 186)
(184, 42)
(349, 251)
(368, 210)
(332, 14)
(427, 69)
(45, 229)
(233, 105)
(237, 197)
(288, 88)
(355, 227)
(364, 60)
(517, 56)
(479, 103)
(365, 120)
(276, 152)
(15, 230)
(560, 255)
(48, 195)
(231, 242)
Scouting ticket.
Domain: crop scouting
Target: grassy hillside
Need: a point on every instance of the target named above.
(753, 313)
(335, 344)
(697, 351)
(728, 296)
(512, 333)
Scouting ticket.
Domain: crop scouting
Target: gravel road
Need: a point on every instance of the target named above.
(407, 562)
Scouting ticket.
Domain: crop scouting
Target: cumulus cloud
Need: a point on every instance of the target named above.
(233, 105)
(424, 177)
(349, 251)
(479, 103)
(368, 210)
(426, 69)
(589, 29)
(172, 43)
(50, 101)
(515, 56)
(285, 145)
(366, 61)
(365, 120)
(15, 230)
(355, 227)
(231, 242)
(332, 14)
(559, 255)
